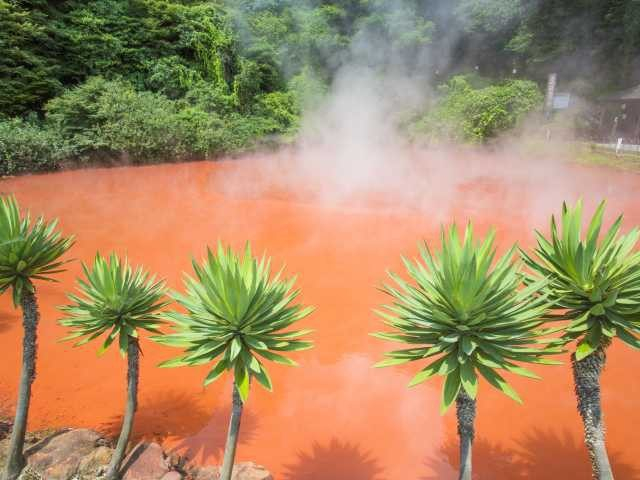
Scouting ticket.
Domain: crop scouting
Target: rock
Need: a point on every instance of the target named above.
(241, 471)
(208, 473)
(172, 476)
(58, 457)
(95, 463)
(145, 462)
(5, 429)
(176, 461)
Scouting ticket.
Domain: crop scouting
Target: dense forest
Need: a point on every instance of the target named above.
(156, 79)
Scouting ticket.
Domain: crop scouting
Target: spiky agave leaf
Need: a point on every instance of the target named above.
(594, 282)
(465, 317)
(28, 251)
(236, 317)
(115, 300)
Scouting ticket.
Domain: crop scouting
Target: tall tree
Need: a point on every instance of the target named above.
(467, 318)
(595, 286)
(28, 251)
(235, 316)
(118, 301)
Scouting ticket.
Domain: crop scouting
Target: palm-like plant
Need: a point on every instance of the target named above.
(28, 251)
(117, 301)
(235, 318)
(595, 285)
(466, 319)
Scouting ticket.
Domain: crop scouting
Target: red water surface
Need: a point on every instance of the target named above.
(334, 417)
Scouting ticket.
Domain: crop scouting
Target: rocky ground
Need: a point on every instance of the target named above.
(84, 454)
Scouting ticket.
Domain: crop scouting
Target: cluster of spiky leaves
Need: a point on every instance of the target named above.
(28, 251)
(235, 316)
(114, 300)
(464, 317)
(593, 284)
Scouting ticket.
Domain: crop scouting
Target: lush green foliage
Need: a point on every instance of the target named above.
(248, 68)
(28, 251)
(235, 315)
(466, 315)
(113, 299)
(594, 282)
(27, 146)
(465, 113)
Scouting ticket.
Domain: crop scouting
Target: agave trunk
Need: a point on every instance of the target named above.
(232, 436)
(586, 376)
(466, 412)
(30, 317)
(133, 369)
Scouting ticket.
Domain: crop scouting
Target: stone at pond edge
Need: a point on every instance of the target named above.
(145, 462)
(95, 463)
(241, 471)
(172, 476)
(59, 456)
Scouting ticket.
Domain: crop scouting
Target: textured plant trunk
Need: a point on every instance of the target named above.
(466, 412)
(133, 373)
(586, 376)
(30, 317)
(232, 436)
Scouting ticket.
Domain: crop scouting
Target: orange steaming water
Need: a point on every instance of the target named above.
(334, 417)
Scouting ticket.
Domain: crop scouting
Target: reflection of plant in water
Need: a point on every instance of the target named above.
(538, 455)
(489, 461)
(168, 414)
(334, 461)
(209, 441)
(548, 454)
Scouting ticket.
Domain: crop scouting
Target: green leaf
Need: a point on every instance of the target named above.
(469, 379)
(215, 372)
(263, 378)
(450, 390)
(427, 372)
(498, 382)
(242, 383)
(391, 361)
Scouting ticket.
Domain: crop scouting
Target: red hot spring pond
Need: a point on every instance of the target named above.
(339, 227)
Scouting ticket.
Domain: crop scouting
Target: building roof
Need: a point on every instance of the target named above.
(624, 95)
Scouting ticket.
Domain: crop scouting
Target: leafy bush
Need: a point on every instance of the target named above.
(111, 116)
(464, 113)
(308, 89)
(171, 77)
(29, 147)
(211, 98)
(27, 71)
(281, 108)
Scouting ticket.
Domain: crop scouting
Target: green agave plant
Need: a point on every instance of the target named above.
(594, 283)
(466, 318)
(29, 251)
(236, 316)
(116, 301)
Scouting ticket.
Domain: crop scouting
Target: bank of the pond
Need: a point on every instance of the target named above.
(83, 454)
(339, 225)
